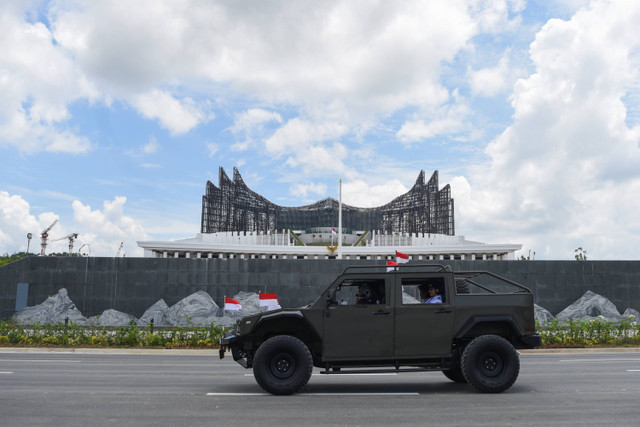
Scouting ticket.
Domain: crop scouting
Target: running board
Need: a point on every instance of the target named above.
(377, 371)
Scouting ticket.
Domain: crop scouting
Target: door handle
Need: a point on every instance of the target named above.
(376, 313)
(442, 311)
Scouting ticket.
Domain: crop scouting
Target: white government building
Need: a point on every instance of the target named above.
(284, 245)
(239, 223)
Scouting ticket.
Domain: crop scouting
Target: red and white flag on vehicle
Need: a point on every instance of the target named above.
(269, 300)
(401, 258)
(334, 232)
(232, 304)
(391, 265)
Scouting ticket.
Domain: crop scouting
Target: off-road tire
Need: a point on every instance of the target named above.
(462, 287)
(490, 364)
(282, 365)
(455, 374)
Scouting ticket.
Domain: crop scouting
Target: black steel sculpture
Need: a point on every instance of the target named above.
(232, 206)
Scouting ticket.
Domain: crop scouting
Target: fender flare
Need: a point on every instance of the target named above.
(485, 318)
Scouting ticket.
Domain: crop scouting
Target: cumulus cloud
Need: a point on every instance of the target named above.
(103, 230)
(565, 168)
(15, 222)
(302, 190)
(178, 116)
(444, 121)
(38, 82)
(492, 81)
(362, 194)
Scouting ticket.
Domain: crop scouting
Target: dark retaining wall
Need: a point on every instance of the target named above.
(132, 285)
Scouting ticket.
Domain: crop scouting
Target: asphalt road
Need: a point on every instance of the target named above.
(188, 388)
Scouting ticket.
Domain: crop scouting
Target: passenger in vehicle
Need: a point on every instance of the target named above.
(370, 294)
(430, 294)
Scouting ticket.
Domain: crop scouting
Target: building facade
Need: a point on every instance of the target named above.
(233, 207)
(239, 223)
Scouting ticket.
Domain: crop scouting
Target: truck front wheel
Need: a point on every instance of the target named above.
(490, 364)
(282, 365)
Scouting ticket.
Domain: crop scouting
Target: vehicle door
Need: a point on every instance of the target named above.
(422, 329)
(358, 320)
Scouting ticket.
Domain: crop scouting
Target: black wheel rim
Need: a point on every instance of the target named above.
(491, 364)
(282, 365)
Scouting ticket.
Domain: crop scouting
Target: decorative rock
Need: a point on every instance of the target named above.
(631, 312)
(590, 307)
(112, 317)
(54, 309)
(157, 312)
(197, 309)
(542, 315)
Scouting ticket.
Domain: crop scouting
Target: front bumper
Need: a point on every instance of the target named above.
(230, 343)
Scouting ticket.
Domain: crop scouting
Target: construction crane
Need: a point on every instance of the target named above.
(80, 250)
(121, 250)
(72, 237)
(44, 236)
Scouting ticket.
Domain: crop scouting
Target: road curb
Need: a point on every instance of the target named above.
(214, 351)
(87, 350)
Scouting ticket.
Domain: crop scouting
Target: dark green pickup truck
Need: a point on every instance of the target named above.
(372, 320)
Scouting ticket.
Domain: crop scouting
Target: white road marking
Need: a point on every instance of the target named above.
(321, 394)
(633, 370)
(372, 374)
(6, 372)
(41, 360)
(600, 360)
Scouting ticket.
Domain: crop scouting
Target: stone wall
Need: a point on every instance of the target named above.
(132, 285)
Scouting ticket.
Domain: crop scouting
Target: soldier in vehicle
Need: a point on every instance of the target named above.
(370, 293)
(430, 294)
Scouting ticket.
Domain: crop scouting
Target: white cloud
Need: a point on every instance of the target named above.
(152, 146)
(178, 116)
(105, 230)
(361, 194)
(102, 230)
(250, 125)
(212, 149)
(565, 169)
(15, 222)
(492, 81)
(38, 81)
(293, 53)
(254, 118)
(443, 121)
(302, 190)
(303, 144)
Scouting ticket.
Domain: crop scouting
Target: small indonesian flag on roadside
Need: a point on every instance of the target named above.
(269, 300)
(232, 304)
(401, 258)
(333, 230)
(391, 265)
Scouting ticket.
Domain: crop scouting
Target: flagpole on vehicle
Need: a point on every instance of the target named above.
(340, 222)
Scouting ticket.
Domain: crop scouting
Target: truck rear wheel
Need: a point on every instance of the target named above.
(490, 364)
(282, 365)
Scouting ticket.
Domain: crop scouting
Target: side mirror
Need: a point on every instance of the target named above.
(331, 298)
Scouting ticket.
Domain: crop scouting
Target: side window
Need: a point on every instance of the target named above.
(423, 291)
(358, 292)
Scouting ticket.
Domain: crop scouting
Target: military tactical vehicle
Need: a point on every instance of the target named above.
(372, 320)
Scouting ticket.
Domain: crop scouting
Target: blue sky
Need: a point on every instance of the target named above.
(113, 114)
